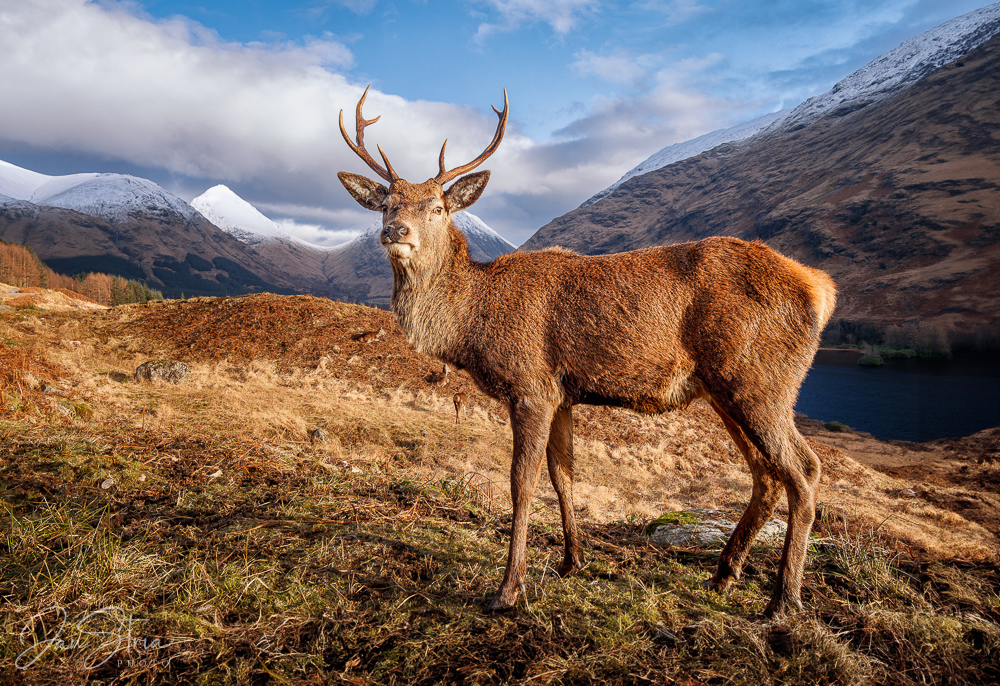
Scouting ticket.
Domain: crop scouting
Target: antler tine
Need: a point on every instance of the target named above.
(444, 177)
(392, 172)
(388, 173)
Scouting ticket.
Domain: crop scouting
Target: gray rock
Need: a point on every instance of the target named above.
(709, 529)
(162, 370)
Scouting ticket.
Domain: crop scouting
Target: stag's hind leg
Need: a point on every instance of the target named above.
(785, 458)
(766, 492)
(559, 452)
(801, 478)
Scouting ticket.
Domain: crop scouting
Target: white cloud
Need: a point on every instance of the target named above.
(675, 11)
(172, 95)
(561, 15)
(95, 79)
(619, 67)
(357, 6)
(316, 234)
(314, 213)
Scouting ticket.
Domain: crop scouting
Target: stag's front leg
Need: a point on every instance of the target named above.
(529, 421)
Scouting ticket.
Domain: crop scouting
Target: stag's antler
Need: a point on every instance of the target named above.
(388, 173)
(444, 177)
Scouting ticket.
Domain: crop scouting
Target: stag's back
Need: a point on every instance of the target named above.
(643, 328)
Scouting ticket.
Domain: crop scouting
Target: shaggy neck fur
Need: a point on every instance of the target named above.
(430, 292)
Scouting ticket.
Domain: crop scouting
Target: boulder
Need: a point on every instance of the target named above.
(162, 370)
(708, 529)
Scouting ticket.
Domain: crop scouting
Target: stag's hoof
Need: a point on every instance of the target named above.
(570, 566)
(499, 605)
(719, 584)
(781, 605)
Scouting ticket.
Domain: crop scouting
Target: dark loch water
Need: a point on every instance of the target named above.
(909, 400)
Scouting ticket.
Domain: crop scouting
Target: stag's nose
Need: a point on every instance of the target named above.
(395, 232)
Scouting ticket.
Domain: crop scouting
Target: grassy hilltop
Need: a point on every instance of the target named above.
(196, 534)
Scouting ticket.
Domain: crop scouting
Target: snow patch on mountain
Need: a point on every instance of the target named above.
(695, 146)
(478, 233)
(899, 69)
(18, 183)
(237, 217)
(890, 73)
(114, 198)
(369, 235)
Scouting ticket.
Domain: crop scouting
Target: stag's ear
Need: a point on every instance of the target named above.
(367, 192)
(465, 191)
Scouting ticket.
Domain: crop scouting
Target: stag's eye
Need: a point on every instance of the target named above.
(438, 210)
(385, 207)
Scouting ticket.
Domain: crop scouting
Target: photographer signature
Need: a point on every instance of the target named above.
(104, 633)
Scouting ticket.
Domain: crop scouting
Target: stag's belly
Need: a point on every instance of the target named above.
(645, 395)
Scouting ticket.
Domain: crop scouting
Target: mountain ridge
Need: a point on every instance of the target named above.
(887, 74)
(218, 245)
(896, 200)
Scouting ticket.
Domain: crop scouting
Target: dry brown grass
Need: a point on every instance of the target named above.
(257, 555)
(300, 369)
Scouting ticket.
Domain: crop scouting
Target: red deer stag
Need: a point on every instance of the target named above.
(725, 320)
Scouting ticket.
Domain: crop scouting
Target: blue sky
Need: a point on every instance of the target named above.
(246, 93)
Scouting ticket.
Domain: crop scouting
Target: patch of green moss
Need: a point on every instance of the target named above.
(670, 518)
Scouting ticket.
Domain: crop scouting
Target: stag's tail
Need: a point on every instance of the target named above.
(823, 295)
(820, 289)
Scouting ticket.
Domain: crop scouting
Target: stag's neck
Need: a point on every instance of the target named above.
(431, 300)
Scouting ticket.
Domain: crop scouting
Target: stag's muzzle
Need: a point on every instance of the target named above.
(393, 233)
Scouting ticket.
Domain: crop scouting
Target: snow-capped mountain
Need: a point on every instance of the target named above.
(357, 270)
(219, 244)
(115, 198)
(242, 220)
(682, 151)
(485, 244)
(237, 217)
(899, 69)
(124, 225)
(888, 74)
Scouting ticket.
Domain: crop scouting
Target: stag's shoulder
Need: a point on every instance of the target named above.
(534, 260)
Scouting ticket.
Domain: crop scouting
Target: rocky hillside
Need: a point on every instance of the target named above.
(896, 199)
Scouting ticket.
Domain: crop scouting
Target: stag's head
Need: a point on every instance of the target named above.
(415, 216)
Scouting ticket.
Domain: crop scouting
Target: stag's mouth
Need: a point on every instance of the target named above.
(399, 251)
